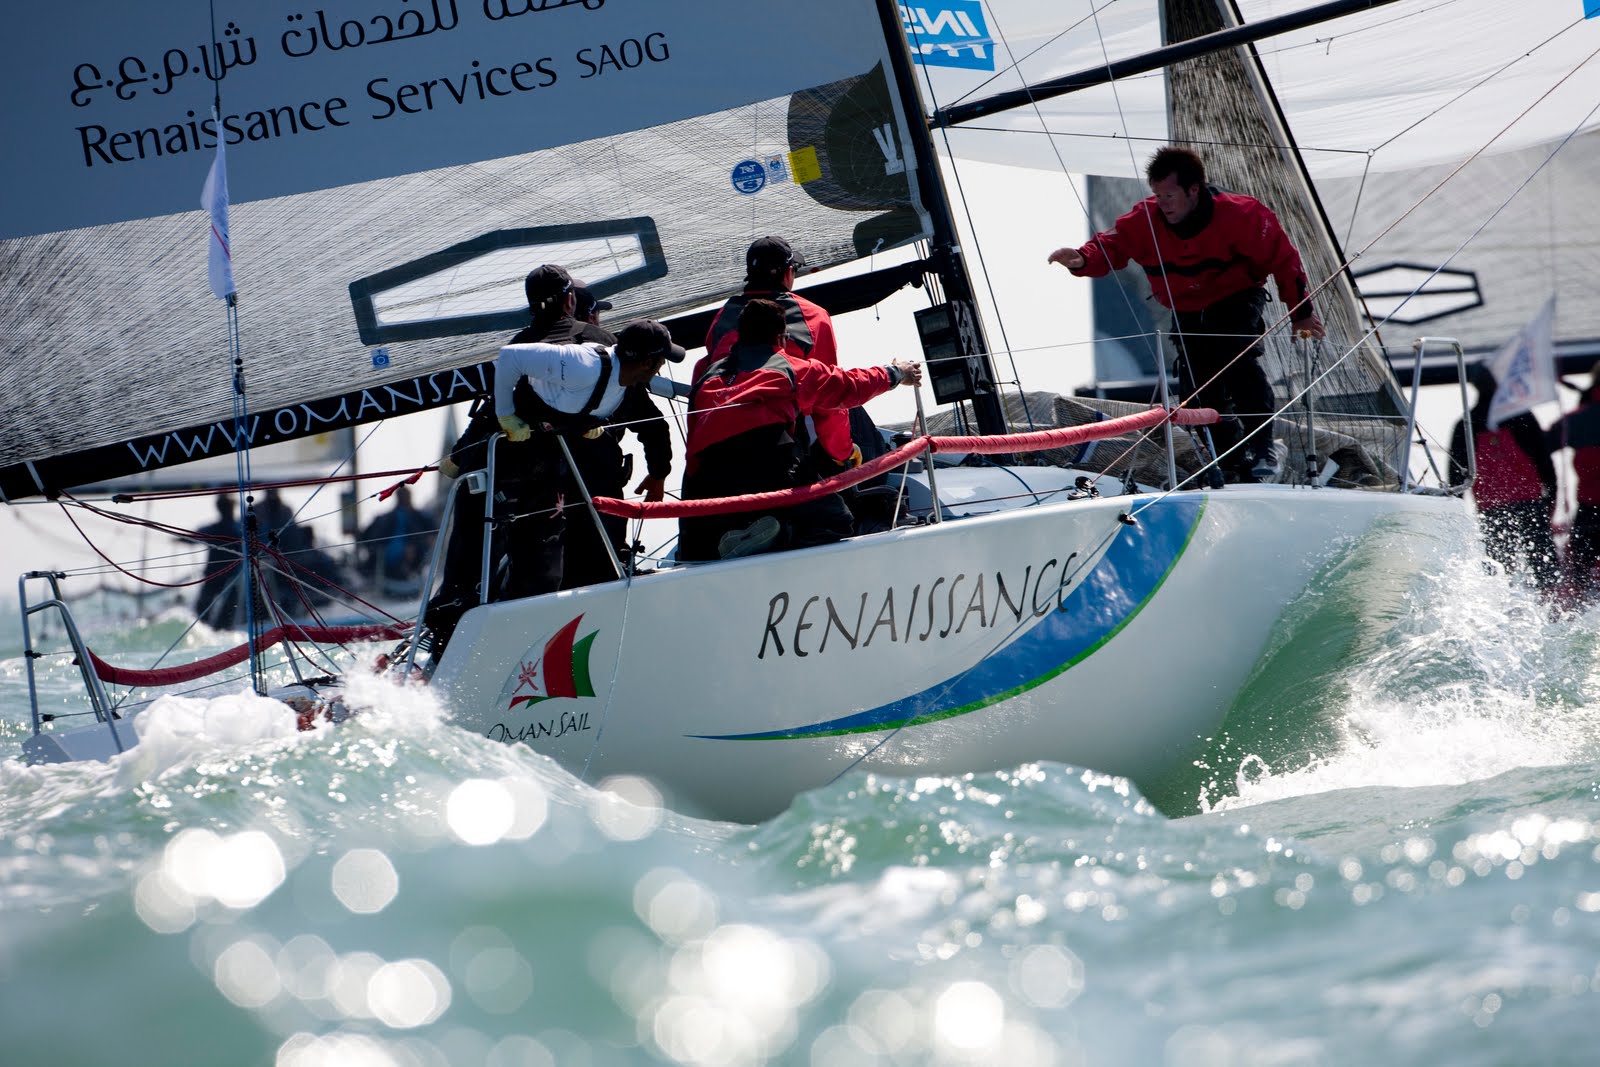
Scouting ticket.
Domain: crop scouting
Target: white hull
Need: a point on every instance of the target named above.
(1052, 633)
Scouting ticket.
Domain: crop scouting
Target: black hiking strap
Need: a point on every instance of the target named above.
(599, 386)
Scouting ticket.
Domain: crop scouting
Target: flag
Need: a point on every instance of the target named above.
(214, 198)
(562, 671)
(1525, 369)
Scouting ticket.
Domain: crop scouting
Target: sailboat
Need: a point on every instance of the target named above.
(397, 169)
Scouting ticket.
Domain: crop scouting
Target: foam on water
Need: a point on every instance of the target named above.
(1477, 676)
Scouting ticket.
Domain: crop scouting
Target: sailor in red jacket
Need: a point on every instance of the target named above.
(1579, 430)
(770, 266)
(1515, 491)
(1207, 254)
(744, 437)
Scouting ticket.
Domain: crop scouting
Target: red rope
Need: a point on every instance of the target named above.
(1036, 441)
(395, 488)
(188, 672)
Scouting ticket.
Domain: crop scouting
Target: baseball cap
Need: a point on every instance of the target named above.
(587, 304)
(771, 255)
(647, 337)
(546, 282)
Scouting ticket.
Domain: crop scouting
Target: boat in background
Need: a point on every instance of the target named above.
(1005, 625)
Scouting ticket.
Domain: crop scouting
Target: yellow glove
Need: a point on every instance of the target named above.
(590, 435)
(448, 467)
(515, 428)
(854, 458)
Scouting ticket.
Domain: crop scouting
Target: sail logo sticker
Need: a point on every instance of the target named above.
(949, 34)
(805, 165)
(749, 177)
(560, 669)
(892, 162)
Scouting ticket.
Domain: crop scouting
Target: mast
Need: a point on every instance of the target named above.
(946, 258)
(214, 198)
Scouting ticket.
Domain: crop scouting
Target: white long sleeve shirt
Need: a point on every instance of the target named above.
(564, 376)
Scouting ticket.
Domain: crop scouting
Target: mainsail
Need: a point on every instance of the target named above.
(369, 143)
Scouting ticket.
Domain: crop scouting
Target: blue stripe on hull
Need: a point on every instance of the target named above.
(1105, 600)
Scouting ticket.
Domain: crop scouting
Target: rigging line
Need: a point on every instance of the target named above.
(1096, 553)
(616, 668)
(1016, 63)
(988, 282)
(1326, 43)
(178, 532)
(1131, 138)
(240, 405)
(1582, 123)
(1373, 330)
(1355, 208)
(1158, 357)
(322, 483)
(403, 473)
(1485, 80)
(123, 570)
(1060, 162)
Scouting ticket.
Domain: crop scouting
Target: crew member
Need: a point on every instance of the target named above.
(1580, 430)
(770, 266)
(744, 436)
(1515, 490)
(1207, 254)
(606, 470)
(527, 477)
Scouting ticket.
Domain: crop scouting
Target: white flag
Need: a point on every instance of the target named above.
(1525, 369)
(214, 198)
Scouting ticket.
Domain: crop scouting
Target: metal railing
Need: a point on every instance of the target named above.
(91, 680)
(1403, 459)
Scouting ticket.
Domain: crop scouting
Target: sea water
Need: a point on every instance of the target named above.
(1390, 856)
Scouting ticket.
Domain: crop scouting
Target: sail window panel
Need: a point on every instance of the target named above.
(494, 282)
(1409, 294)
(476, 286)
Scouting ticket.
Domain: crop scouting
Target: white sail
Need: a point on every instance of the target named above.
(1399, 86)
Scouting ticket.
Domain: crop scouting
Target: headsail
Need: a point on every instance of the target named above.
(371, 135)
(1404, 84)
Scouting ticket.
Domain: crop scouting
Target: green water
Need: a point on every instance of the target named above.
(1393, 858)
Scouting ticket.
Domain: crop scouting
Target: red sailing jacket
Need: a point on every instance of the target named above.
(757, 385)
(1228, 244)
(1506, 473)
(808, 334)
(1586, 465)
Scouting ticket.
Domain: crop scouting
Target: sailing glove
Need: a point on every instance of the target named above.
(515, 428)
(448, 467)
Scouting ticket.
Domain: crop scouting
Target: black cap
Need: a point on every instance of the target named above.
(770, 255)
(587, 304)
(650, 339)
(545, 283)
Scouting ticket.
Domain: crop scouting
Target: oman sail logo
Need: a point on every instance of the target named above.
(951, 33)
(561, 670)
